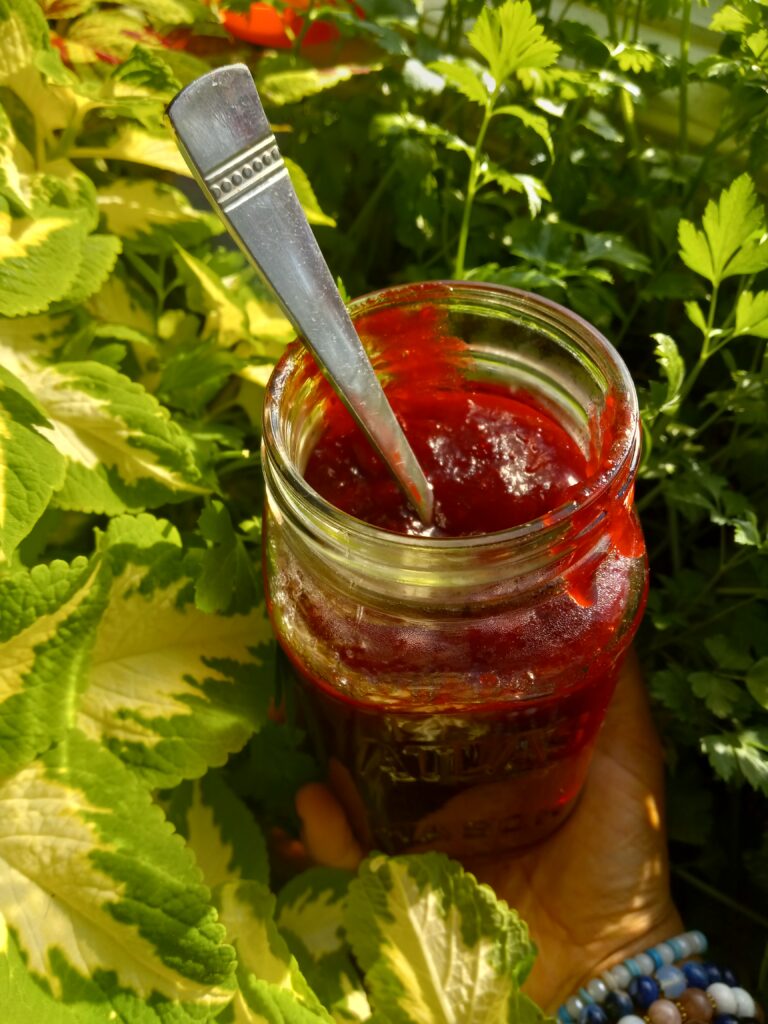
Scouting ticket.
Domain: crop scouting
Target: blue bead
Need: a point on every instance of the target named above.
(672, 981)
(593, 1014)
(643, 991)
(713, 973)
(654, 954)
(632, 967)
(618, 1005)
(725, 1018)
(563, 1016)
(678, 949)
(729, 977)
(584, 996)
(696, 975)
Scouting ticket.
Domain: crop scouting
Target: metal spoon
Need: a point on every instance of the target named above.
(224, 135)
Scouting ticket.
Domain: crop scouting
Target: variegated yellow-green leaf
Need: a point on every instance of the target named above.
(310, 916)
(30, 467)
(24, 39)
(307, 196)
(39, 260)
(436, 947)
(291, 85)
(121, 447)
(138, 209)
(98, 256)
(225, 319)
(138, 146)
(220, 830)
(47, 618)
(103, 901)
(171, 689)
(272, 989)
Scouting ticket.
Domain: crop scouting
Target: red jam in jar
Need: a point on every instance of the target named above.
(460, 672)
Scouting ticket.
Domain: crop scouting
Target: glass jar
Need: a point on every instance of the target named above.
(459, 684)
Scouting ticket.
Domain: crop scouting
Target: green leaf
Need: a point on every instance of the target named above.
(310, 916)
(511, 39)
(720, 695)
(220, 830)
(307, 197)
(436, 946)
(635, 58)
(536, 122)
(151, 211)
(170, 689)
(291, 86)
(101, 897)
(462, 76)
(39, 260)
(227, 580)
(673, 368)
(135, 144)
(47, 616)
(732, 238)
(25, 41)
(395, 125)
(534, 190)
(268, 974)
(226, 319)
(757, 682)
(752, 315)
(121, 447)
(98, 257)
(30, 467)
(740, 755)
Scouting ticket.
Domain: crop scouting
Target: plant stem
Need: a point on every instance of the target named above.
(469, 197)
(685, 42)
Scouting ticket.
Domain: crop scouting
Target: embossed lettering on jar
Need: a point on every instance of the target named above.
(459, 681)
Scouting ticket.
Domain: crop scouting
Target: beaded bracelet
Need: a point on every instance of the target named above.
(648, 989)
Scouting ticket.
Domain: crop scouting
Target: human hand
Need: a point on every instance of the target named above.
(595, 891)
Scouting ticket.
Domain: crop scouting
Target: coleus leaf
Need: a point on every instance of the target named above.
(511, 39)
(271, 985)
(30, 467)
(220, 830)
(310, 915)
(731, 239)
(171, 689)
(227, 573)
(102, 900)
(289, 85)
(154, 213)
(39, 260)
(436, 946)
(121, 448)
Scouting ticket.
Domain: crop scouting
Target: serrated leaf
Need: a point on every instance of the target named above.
(307, 197)
(634, 58)
(463, 77)
(24, 39)
(310, 916)
(268, 974)
(536, 122)
(170, 689)
(227, 579)
(732, 237)
(137, 145)
(220, 830)
(98, 257)
(720, 695)
(39, 261)
(226, 319)
(137, 208)
(30, 467)
(436, 946)
(729, 19)
(291, 86)
(672, 365)
(47, 617)
(738, 756)
(97, 890)
(752, 314)
(121, 447)
(404, 124)
(534, 190)
(511, 39)
(757, 682)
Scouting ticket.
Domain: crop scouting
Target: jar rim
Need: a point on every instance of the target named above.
(624, 452)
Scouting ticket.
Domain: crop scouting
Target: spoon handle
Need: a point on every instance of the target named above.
(225, 137)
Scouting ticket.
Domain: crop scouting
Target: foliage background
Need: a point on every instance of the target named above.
(565, 166)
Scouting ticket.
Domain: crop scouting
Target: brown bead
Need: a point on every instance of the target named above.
(663, 1011)
(695, 1005)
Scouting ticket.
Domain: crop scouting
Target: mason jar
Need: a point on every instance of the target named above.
(457, 684)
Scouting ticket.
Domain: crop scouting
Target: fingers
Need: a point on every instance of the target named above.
(326, 833)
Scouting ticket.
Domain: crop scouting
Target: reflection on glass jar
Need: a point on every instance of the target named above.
(460, 681)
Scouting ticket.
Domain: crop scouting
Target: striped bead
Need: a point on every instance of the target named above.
(654, 955)
(672, 981)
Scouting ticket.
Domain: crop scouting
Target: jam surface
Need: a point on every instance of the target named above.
(494, 462)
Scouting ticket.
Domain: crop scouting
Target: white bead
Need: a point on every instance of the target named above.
(722, 996)
(685, 945)
(609, 980)
(745, 1004)
(621, 976)
(644, 962)
(574, 1006)
(699, 941)
(666, 953)
(631, 1018)
(598, 990)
